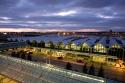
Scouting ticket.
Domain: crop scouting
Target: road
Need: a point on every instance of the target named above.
(110, 72)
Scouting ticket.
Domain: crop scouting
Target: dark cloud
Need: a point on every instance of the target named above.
(7, 3)
(120, 4)
(64, 14)
(94, 3)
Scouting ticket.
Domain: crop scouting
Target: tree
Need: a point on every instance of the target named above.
(34, 43)
(42, 44)
(69, 66)
(22, 40)
(85, 68)
(101, 72)
(11, 40)
(92, 70)
(51, 44)
(29, 57)
(17, 54)
(80, 48)
(16, 40)
(69, 45)
(23, 56)
(28, 42)
(13, 54)
(60, 45)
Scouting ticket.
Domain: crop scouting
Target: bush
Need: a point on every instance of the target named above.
(92, 70)
(101, 72)
(80, 61)
(29, 57)
(60, 58)
(85, 68)
(69, 66)
(28, 42)
(34, 43)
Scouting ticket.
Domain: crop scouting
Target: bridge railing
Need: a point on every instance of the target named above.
(48, 72)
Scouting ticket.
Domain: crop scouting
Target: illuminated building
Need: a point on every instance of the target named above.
(90, 44)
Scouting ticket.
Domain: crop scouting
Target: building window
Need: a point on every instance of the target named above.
(116, 46)
(85, 47)
(99, 48)
(73, 46)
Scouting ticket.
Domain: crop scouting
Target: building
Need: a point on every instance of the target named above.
(90, 44)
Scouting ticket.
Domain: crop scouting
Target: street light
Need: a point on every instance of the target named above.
(123, 53)
(49, 56)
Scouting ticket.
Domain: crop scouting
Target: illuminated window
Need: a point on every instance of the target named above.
(73, 46)
(116, 46)
(66, 47)
(99, 48)
(85, 47)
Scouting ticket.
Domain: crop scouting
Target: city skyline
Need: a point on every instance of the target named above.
(62, 15)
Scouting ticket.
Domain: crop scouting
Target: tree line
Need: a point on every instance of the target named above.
(22, 55)
(88, 70)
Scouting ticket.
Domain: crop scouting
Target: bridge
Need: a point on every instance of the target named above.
(33, 72)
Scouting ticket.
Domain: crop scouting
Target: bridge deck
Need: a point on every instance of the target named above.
(32, 72)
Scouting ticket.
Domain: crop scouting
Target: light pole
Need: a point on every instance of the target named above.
(49, 56)
(123, 54)
(107, 52)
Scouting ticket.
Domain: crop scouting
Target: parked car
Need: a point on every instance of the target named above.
(80, 61)
(59, 58)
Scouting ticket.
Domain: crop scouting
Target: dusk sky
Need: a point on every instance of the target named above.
(62, 15)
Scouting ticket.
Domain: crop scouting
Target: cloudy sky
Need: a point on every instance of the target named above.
(62, 15)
